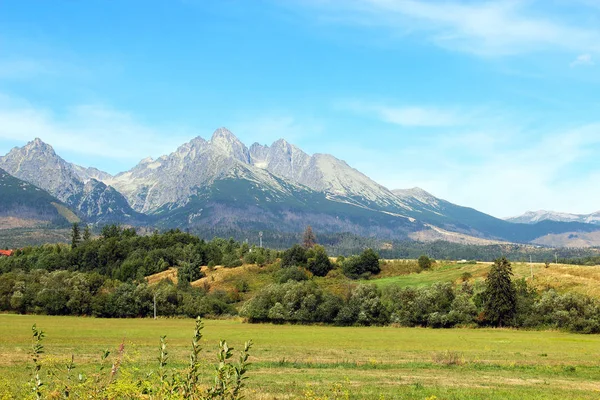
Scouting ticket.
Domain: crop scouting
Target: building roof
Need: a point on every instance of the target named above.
(7, 253)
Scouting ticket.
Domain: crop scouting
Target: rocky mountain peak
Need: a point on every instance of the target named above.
(227, 142)
(37, 145)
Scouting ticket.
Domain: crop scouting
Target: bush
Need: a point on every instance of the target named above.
(294, 257)
(318, 262)
(297, 302)
(427, 306)
(296, 274)
(231, 260)
(424, 263)
(362, 266)
(364, 307)
(465, 276)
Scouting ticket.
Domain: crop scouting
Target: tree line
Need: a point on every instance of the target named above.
(498, 301)
(105, 277)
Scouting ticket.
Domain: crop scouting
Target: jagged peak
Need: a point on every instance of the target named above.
(280, 142)
(195, 143)
(38, 144)
(227, 142)
(223, 133)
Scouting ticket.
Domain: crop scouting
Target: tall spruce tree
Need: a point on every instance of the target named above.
(500, 295)
(309, 239)
(75, 235)
(87, 234)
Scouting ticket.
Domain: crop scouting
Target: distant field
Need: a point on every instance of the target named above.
(370, 363)
(581, 279)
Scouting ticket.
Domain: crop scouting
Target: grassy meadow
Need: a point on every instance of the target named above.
(292, 361)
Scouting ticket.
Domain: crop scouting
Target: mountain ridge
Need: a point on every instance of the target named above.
(222, 181)
(531, 217)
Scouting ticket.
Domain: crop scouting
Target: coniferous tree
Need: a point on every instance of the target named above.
(87, 235)
(75, 235)
(500, 295)
(309, 239)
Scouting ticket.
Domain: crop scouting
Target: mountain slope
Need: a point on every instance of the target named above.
(323, 173)
(441, 213)
(23, 205)
(171, 181)
(38, 164)
(532, 217)
(245, 205)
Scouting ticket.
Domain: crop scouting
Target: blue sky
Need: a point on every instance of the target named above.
(492, 105)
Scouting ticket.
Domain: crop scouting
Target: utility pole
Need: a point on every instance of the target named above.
(154, 305)
(556, 257)
(531, 266)
(260, 238)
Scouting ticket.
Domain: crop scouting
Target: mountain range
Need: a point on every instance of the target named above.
(532, 217)
(223, 183)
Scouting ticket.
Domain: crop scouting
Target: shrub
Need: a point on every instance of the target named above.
(294, 257)
(298, 302)
(295, 274)
(364, 307)
(318, 262)
(361, 266)
(465, 276)
(424, 263)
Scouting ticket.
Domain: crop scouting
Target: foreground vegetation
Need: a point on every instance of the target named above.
(310, 362)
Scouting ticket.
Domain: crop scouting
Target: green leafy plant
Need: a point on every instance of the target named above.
(228, 383)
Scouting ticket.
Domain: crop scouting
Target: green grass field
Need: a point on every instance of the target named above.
(308, 361)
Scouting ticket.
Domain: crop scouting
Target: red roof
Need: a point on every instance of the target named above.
(7, 253)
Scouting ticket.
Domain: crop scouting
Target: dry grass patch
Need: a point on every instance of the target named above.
(171, 274)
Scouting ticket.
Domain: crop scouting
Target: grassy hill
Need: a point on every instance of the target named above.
(249, 279)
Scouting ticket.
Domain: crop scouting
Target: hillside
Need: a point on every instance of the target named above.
(402, 273)
(23, 205)
(532, 217)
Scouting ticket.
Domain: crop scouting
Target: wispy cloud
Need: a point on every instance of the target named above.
(502, 172)
(583, 60)
(407, 115)
(489, 28)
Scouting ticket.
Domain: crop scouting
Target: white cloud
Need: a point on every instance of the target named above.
(583, 59)
(408, 116)
(489, 28)
(501, 172)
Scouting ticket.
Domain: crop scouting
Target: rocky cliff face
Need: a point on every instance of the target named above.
(172, 180)
(38, 164)
(323, 173)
